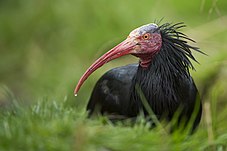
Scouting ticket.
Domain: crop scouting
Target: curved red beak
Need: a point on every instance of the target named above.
(124, 48)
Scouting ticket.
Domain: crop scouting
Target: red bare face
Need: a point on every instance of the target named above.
(148, 45)
(142, 42)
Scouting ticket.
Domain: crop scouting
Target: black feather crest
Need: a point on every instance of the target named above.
(175, 44)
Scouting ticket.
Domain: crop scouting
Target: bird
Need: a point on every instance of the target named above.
(161, 78)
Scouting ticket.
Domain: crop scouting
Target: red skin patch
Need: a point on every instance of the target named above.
(148, 48)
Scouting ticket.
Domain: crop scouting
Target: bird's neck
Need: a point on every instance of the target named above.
(159, 81)
(145, 60)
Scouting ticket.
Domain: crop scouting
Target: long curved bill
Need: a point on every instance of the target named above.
(124, 48)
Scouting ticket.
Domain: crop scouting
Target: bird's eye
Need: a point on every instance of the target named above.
(146, 36)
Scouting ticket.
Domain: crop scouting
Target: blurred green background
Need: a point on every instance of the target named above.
(46, 45)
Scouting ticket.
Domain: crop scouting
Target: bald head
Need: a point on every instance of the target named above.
(148, 28)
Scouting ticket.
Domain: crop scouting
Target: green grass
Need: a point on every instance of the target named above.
(50, 124)
(54, 125)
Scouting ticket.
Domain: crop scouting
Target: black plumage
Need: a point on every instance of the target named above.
(166, 83)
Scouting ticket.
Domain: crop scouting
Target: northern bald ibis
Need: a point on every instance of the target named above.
(162, 76)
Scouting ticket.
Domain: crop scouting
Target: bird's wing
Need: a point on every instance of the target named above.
(111, 92)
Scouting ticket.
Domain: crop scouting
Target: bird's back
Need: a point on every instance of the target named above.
(111, 94)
